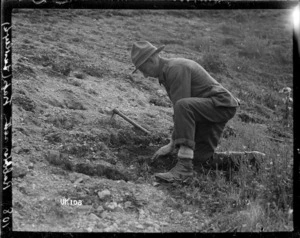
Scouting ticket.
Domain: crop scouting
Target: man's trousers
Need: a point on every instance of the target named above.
(199, 124)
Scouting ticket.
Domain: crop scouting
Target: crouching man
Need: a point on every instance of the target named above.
(202, 107)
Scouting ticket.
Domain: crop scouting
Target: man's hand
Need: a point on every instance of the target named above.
(167, 149)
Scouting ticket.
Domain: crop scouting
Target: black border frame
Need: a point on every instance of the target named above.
(6, 90)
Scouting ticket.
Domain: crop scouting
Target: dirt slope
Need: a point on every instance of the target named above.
(72, 67)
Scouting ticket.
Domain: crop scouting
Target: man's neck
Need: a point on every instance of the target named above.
(162, 61)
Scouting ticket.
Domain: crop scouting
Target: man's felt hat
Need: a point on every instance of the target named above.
(141, 51)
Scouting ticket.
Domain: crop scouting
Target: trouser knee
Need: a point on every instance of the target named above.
(181, 106)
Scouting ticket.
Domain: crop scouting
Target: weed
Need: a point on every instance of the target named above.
(92, 91)
(225, 29)
(240, 16)
(158, 101)
(171, 42)
(228, 41)
(93, 71)
(76, 39)
(62, 121)
(74, 82)
(22, 71)
(280, 54)
(201, 44)
(242, 64)
(79, 75)
(61, 67)
(177, 13)
(24, 101)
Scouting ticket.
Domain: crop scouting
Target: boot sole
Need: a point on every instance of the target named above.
(174, 179)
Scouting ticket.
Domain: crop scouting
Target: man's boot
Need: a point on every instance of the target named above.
(182, 171)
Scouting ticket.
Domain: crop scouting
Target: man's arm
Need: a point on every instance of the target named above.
(180, 85)
(180, 82)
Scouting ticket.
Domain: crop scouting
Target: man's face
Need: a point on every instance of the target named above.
(149, 69)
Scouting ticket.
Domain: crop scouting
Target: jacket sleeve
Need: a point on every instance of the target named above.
(180, 82)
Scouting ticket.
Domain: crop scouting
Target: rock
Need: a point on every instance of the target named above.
(14, 144)
(104, 214)
(53, 157)
(141, 214)
(111, 206)
(22, 187)
(17, 215)
(160, 92)
(30, 166)
(78, 181)
(110, 229)
(89, 229)
(18, 171)
(164, 223)
(18, 149)
(85, 208)
(149, 223)
(139, 226)
(187, 213)
(94, 217)
(100, 209)
(72, 177)
(103, 194)
(127, 204)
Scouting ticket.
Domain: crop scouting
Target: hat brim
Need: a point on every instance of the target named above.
(159, 49)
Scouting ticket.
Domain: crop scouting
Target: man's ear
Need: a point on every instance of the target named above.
(151, 60)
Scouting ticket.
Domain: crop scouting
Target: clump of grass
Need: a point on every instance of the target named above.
(225, 28)
(254, 47)
(177, 13)
(74, 82)
(228, 41)
(248, 200)
(281, 55)
(22, 71)
(62, 121)
(61, 67)
(242, 65)
(79, 75)
(92, 91)
(171, 42)
(159, 101)
(93, 71)
(201, 44)
(212, 62)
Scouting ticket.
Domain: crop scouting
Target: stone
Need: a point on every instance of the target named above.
(14, 144)
(100, 209)
(104, 215)
(109, 229)
(139, 226)
(53, 157)
(187, 213)
(94, 217)
(18, 171)
(18, 149)
(78, 181)
(103, 194)
(30, 166)
(111, 206)
(127, 204)
(164, 223)
(149, 223)
(85, 208)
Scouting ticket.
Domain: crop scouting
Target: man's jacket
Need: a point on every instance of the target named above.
(184, 78)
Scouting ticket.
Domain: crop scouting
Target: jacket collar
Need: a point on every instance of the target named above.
(162, 66)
